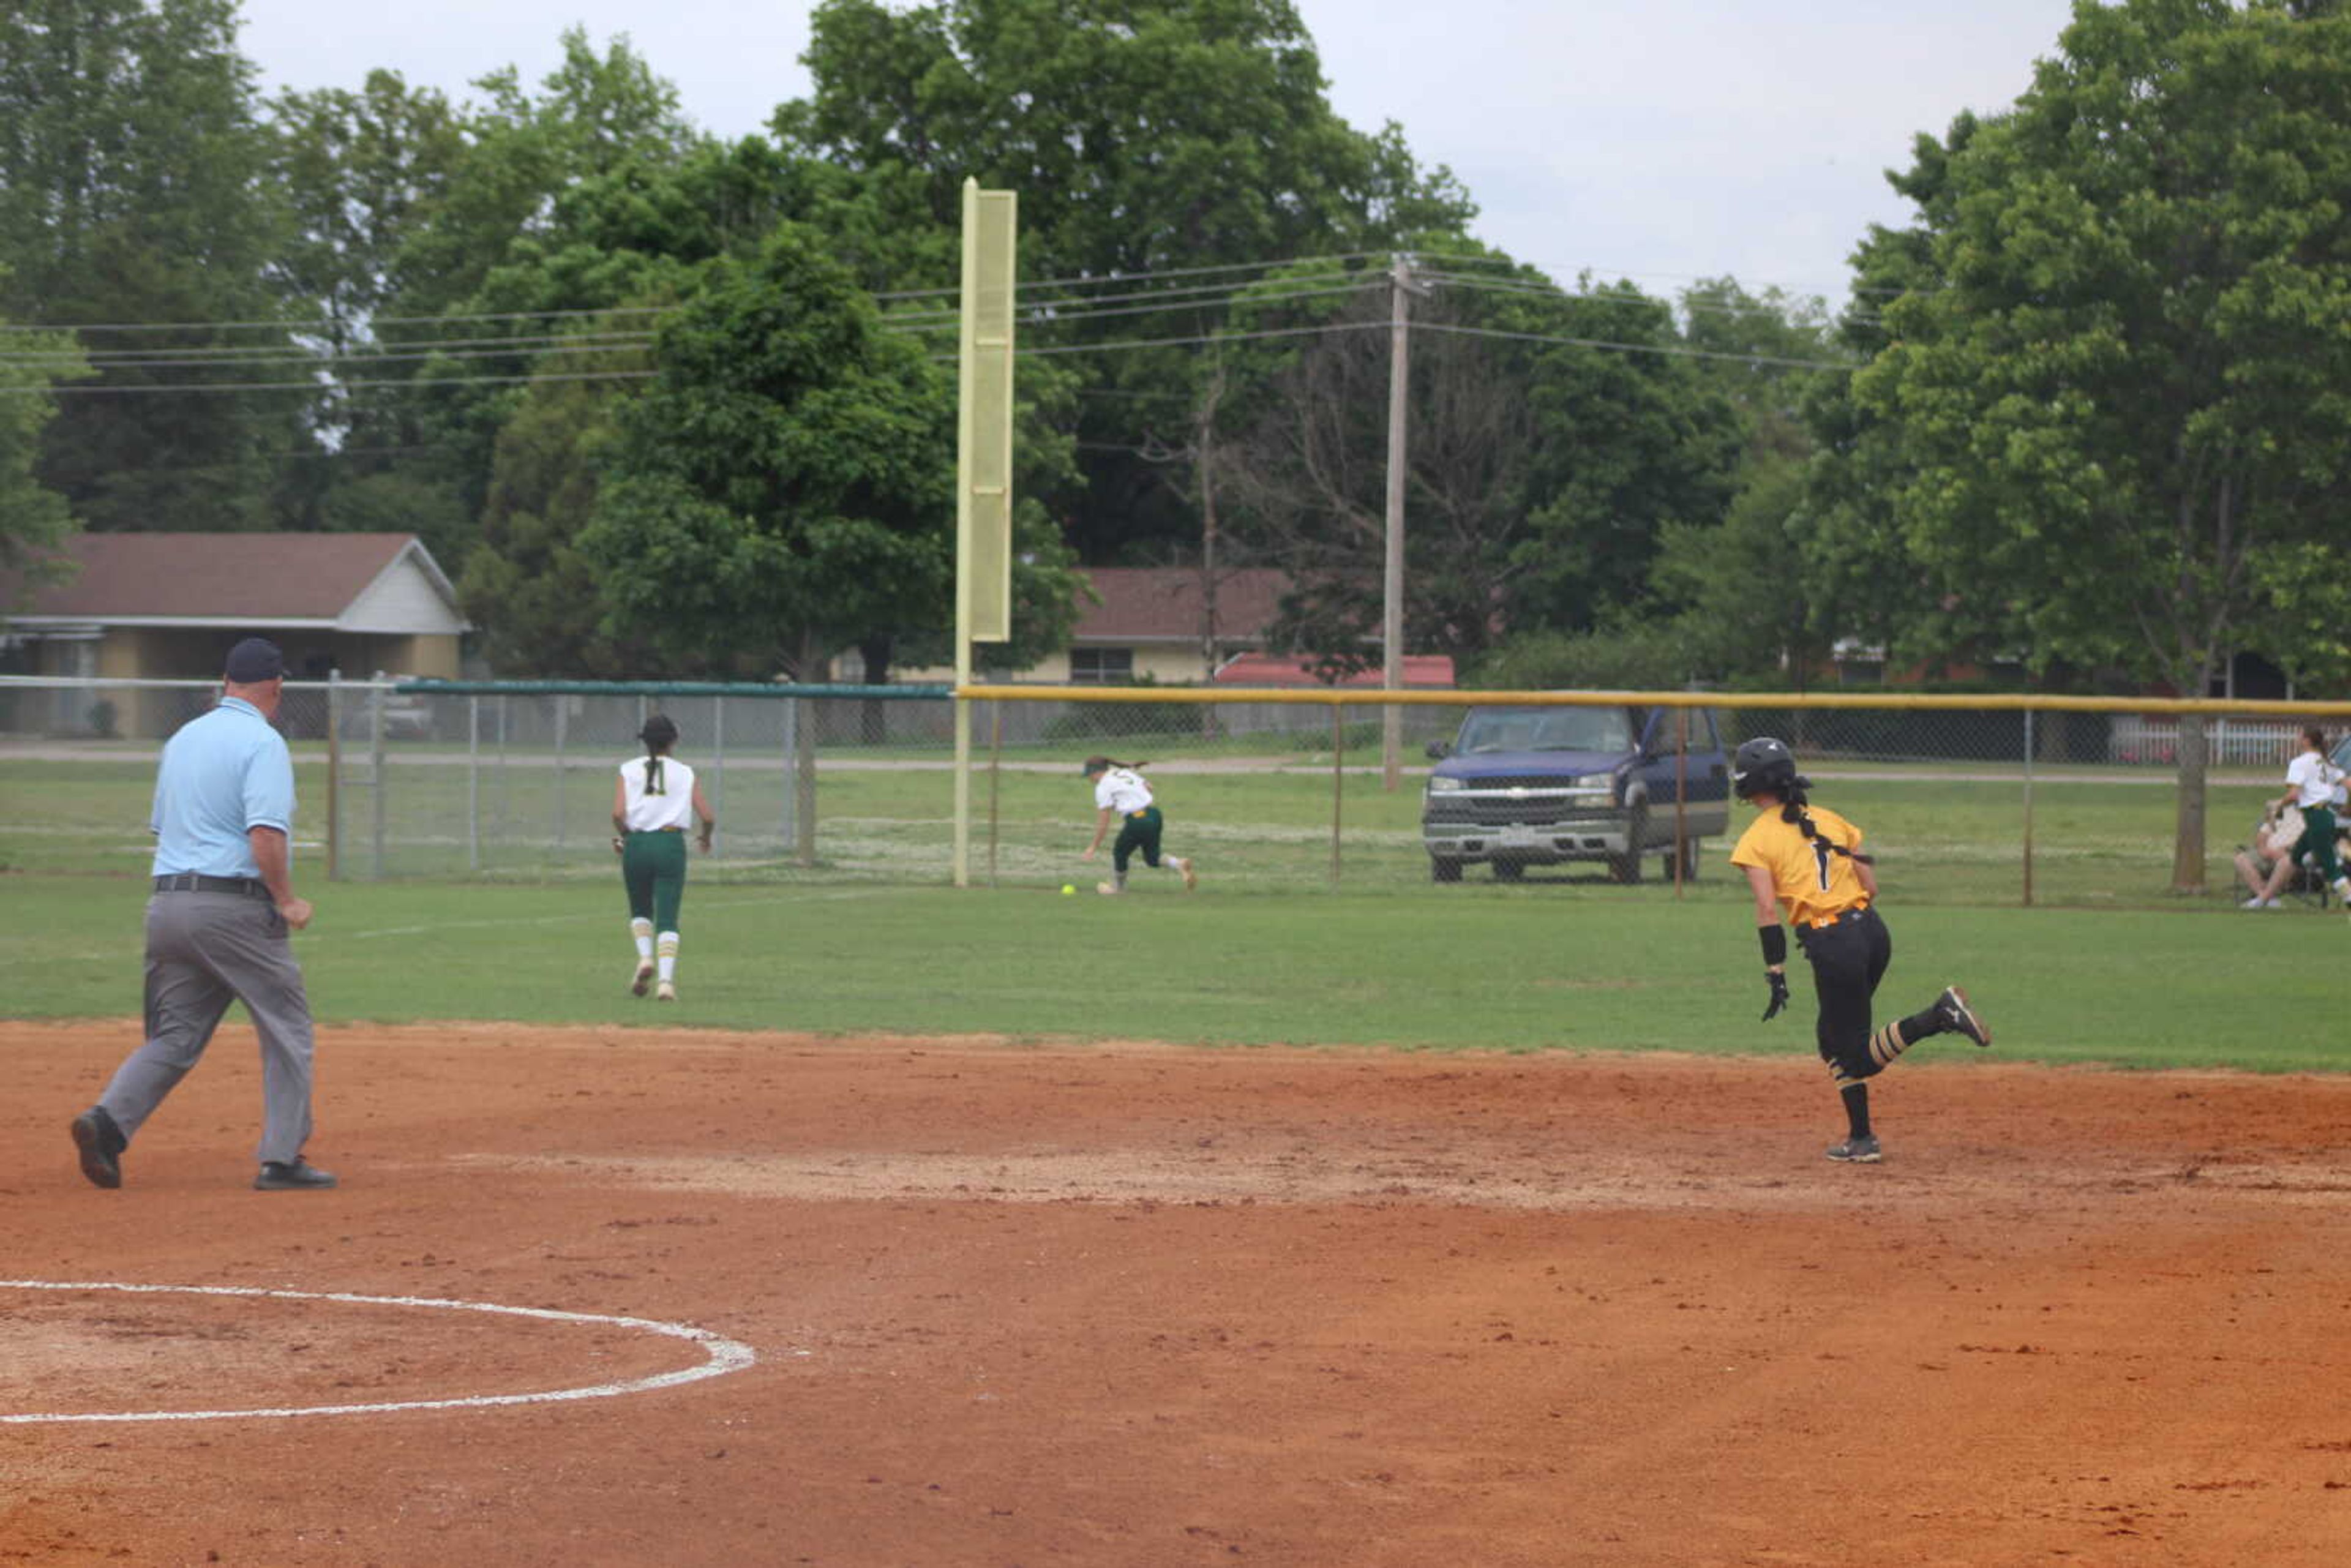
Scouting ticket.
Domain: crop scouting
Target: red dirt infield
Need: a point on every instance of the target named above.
(1024, 1304)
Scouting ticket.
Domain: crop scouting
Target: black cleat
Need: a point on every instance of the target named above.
(297, 1175)
(1854, 1152)
(101, 1144)
(1960, 1017)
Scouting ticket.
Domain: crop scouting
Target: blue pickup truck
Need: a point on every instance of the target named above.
(1523, 786)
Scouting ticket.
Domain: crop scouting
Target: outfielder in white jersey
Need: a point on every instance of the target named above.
(1121, 795)
(654, 799)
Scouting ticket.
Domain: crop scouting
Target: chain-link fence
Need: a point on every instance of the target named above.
(2063, 802)
(2067, 802)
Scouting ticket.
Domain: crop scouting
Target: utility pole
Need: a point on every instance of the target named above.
(1204, 482)
(1401, 287)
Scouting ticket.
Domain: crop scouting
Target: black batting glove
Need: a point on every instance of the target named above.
(1778, 984)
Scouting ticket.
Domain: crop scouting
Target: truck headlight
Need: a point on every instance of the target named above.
(1442, 786)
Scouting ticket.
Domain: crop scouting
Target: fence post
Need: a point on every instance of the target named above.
(791, 748)
(1681, 795)
(473, 782)
(562, 725)
(804, 784)
(375, 771)
(2028, 808)
(719, 755)
(995, 775)
(334, 775)
(1338, 783)
(505, 768)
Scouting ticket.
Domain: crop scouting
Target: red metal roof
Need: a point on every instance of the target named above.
(244, 577)
(1156, 605)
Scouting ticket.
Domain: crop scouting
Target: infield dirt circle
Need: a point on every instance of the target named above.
(1128, 1304)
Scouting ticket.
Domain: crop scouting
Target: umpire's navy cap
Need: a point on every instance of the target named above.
(254, 661)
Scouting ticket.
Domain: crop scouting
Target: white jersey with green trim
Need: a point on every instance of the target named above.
(1122, 789)
(2313, 779)
(669, 803)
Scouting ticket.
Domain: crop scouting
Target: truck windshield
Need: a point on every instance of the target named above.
(1547, 729)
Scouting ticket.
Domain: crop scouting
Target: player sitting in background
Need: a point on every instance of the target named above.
(2312, 784)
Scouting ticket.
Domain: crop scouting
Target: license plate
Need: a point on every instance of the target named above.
(1519, 838)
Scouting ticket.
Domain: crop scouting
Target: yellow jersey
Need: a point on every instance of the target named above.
(1814, 882)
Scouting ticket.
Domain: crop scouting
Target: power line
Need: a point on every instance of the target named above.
(1602, 296)
(328, 364)
(1628, 347)
(1084, 306)
(1109, 278)
(328, 386)
(236, 355)
(312, 326)
(1604, 344)
(1381, 326)
(1078, 301)
(1073, 318)
(1204, 338)
(1623, 272)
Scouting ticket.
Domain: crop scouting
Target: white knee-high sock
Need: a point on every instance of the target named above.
(668, 949)
(643, 930)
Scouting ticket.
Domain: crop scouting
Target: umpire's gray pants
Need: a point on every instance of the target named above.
(204, 949)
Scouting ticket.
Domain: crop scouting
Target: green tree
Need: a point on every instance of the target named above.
(1139, 137)
(526, 582)
(361, 171)
(785, 488)
(1551, 437)
(2125, 400)
(635, 237)
(483, 190)
(132, 190)
(33, 519)
(1739, 589)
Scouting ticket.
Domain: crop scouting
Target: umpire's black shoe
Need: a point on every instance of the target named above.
(101, 1144)
(297, 1175)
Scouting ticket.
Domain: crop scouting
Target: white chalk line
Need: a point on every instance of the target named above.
(723, 1354)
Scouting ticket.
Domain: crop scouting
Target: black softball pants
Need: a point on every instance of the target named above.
(1848, 958)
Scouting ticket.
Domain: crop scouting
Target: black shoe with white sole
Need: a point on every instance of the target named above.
(1958, 1015)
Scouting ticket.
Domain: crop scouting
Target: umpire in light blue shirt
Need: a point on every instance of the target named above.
(216, 928)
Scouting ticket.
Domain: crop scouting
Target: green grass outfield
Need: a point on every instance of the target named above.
(1480, 967)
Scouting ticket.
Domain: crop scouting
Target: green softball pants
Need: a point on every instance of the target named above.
(653, 866)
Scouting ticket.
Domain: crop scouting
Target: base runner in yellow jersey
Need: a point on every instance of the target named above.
(1805, 860)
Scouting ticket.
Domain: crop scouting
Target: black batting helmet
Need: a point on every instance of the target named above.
(1762, 766)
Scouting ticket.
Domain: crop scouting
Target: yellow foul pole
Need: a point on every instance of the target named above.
(983, 607)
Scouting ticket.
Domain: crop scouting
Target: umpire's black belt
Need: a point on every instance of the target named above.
(1842, 917)
(194, 882)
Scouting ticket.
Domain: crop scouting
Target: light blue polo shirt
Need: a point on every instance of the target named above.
(222, 774)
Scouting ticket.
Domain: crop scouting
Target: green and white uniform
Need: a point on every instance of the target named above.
(658, 792)
(1124, 790)
(2313, 779)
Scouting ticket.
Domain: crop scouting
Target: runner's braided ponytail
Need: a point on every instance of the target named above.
(1792, 801)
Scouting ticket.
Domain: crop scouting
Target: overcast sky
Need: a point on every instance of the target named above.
(1656, 140)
